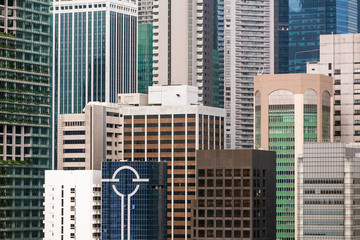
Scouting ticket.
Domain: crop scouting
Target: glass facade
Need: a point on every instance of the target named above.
(81, 56)
(308, 19)
(25, 116)
(310, 116)
(218, 53)
(134, 200)
(326, 111)
(282, 140)
(145, 57)
(283, 36)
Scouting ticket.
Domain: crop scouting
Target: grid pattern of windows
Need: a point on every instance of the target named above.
(322, 208)
(25, 116)
(310, 116)
(172, 138)
(326, 105)
(281, 140)
(232, 199)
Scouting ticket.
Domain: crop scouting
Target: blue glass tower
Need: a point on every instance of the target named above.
(308, 19)
(95, 47)
(134, 200)
(283, 36)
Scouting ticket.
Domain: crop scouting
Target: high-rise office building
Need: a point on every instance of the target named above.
(24, 116)
(72, 205)
(171, 129)
(183, 51)
(134, 200)
(308, 19)
(249, 50)
(94, 54)
(95, 46)
(145, 45)
(291, 109)
(235, 195)
(327, 191)
(340, 58)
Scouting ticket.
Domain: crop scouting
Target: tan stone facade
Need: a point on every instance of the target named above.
(295, 83)
(85, 140)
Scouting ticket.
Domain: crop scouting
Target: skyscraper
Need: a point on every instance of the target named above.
(94, 54)
(308, 19)
(145, 45)
(290, 109)
(340, 57)
(94, 50)
(183, 50)
(24, 116)
(249, 50)
(283, 37)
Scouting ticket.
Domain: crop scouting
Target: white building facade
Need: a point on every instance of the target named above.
(328, 191)
(182, 40)
(340, 58)
(72, 205)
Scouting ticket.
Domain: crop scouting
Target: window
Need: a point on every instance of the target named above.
(356, 91)
(74, 132)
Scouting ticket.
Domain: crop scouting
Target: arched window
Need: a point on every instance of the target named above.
(310, 115)
(326, 116)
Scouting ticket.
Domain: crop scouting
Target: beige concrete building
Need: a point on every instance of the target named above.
(87, 139)
(291, 109)
(183, 53)
(340, 58)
